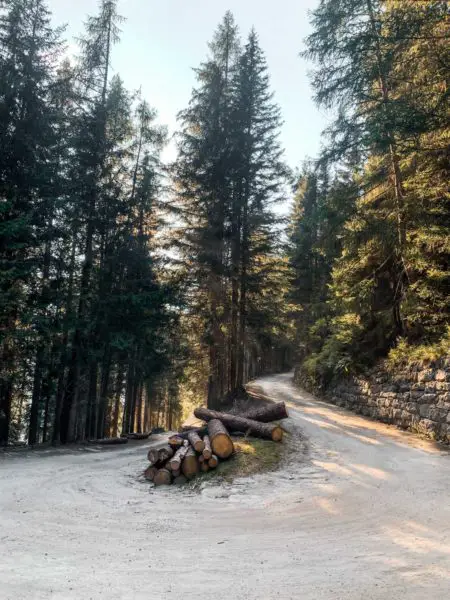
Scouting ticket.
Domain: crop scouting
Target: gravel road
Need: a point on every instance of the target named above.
(362, 513)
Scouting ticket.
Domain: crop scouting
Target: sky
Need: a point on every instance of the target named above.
(162, 41)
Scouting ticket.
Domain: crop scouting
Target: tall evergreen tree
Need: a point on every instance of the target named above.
(258, 176)
(203, 182)
(29, 51)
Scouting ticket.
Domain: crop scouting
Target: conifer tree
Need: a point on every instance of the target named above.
(203, 182)
(29, 53)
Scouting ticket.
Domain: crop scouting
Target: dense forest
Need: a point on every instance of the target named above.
(132, 289)
(370, 242)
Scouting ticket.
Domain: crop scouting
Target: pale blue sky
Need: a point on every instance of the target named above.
(163, 40)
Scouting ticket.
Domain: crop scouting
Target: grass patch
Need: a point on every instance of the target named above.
(405, 354)
(251, 456)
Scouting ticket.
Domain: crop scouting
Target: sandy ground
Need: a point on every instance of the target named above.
(363, 514)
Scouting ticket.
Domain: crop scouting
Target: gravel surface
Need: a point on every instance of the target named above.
(360, 511)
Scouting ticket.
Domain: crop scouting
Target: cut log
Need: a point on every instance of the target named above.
(221, 443)
(175, 442)
(190, 464)
(204, 467)
(176, 473)
(175, 462)
(158, 456)
(201, 459)
(207, 452)
(109, 441)
(150, 473)
(233, 422)
(196, 441)
(163, 477)
(213, 462)
(185, 434)
(268, 413)
(138, 436)
(180, 480)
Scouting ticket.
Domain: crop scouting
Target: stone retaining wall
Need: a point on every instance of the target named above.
(414, 398)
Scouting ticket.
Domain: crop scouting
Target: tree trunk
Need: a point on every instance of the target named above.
(221, 442)
(118, 393)
(104, 395)
(235, 423)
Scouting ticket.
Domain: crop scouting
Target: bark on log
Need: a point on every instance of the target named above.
(109, 441)
(175, 442)
(263, 430)
(163, 477)
(221, 443)
(196, 441)
(185, 434)
(175, 462)
(204, 467)
(150, 473)
(190, 463)
(180, 480)
(159, 456)
(207, 452)
(213, 462)
(267, 414)
(138, 436)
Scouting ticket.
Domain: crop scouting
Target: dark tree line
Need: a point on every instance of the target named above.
(88, 327)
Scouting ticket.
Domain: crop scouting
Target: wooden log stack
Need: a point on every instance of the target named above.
(201, 449)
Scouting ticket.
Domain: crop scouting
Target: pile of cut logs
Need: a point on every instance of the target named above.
(200, 449)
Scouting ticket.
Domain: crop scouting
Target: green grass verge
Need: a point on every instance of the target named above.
(251, 456)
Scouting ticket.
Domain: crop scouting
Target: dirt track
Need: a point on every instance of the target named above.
(365, 515)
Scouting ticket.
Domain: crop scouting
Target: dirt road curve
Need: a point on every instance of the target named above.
(365, 515)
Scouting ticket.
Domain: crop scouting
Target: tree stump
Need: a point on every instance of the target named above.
(221, 443)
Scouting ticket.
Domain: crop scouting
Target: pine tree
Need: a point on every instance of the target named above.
(90, 143)
(203, 185)
(259, 176)
(28, 128)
